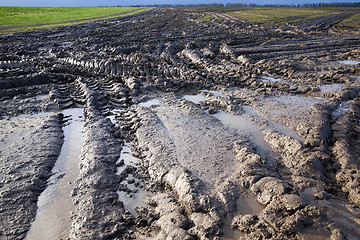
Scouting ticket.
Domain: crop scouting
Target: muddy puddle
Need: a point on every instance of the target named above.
(304, 102)
(245, 204)
(134, 196)
(317, 234)
(55, 204)
(229, 233)
(337, 87)
(35, 115)
(214, 93)
(150, 103)
(342, 109)
(248, 205)
(244, 125)
(197, 99)
(348, 62)
(137, 196)
(270, 79)
(241, 123)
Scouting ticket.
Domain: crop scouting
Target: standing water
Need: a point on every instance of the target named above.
(138, 198)
(243, 124)
(349, 62)
(54, 204)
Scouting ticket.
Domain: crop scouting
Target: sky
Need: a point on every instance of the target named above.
(90, 3)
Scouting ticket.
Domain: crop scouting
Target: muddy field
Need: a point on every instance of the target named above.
(181, 129)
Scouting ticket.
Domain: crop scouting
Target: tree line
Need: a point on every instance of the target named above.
(309, 5)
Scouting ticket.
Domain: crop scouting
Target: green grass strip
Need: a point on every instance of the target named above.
(15, 19)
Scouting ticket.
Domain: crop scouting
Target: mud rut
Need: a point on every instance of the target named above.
(206, 178)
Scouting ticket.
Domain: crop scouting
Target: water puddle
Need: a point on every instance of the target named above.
(270, 79)
(133, 196)
(215, 93)
(35, 115)
(150, 103)
(244, 205)
(244, 124)
(349, 62)
(345, 215)
(137, 196)
(336, 87)
(299, 101)
(127, 158)
(343, 109)
(197, 99)
(315, 234)
(55, 204)
(229, 233)
(283, 130)
(248, 205)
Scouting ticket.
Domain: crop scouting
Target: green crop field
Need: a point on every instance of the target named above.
(15, 19)
(352, 22)
(283, 15)
(270, 15)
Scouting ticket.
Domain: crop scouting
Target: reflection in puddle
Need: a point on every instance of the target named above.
(35, 115)
(229, 233)
(54, 204)
(244, 124)
(349, 62)
(138, 196)
(336, 87)
(297, 101)
(132, 202)
(248, 205)
(128, 158)
(270, 79)
(239, 122)
(315, 234)
(215, 93)
(345, 215)
(197, 99)
(150, 103)
(343, 109)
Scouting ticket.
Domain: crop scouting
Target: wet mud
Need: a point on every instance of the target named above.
(55, 203)
(191, 129)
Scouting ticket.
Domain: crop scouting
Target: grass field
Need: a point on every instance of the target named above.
(16, 19)
(205, 17)
(352, 22)
(282, 15)
(279, 15)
